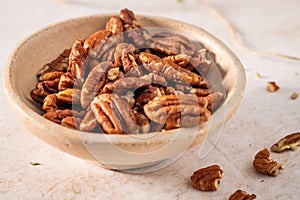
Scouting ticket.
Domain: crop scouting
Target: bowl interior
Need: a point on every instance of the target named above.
(46, 44)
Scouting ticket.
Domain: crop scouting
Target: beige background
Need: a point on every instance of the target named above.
(261, 119)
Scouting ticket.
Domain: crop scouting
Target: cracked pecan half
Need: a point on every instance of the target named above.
(265, 165)
(291, 142)
(242, 195)
(207, 179)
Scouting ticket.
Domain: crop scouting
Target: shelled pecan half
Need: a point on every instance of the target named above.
(207, 179)
(291, 142)
(242, 195)
(265, 165)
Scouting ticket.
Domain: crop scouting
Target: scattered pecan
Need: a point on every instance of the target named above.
(242, 195)
(288, 142)
(272, 86)
(207, 179)
(265, 165)
(294, 95)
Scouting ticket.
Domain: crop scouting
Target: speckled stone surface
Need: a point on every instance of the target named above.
(262, 118)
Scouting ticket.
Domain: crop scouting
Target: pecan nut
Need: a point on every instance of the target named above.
(265, 165)
(178, 110)
(114, 25)
(242, 195)
(93, 83)
(172, 71)
(207, 179)
(288, 142)
(76, 60)
(170, 44)
(89, 122)
(106, 117)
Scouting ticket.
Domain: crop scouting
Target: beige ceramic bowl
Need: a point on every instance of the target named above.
(112, 151)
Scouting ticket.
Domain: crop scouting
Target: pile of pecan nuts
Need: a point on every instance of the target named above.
(124, 79)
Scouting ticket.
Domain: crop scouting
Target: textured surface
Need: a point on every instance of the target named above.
(262, 118)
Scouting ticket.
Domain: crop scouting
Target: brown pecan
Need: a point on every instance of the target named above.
(178, 110)
(51, 75)
(94, 41)
(200, 92)
(58, 115)
(272, 86)
(71, 122)
(39, 93)
(130, 83)
(114, 25)
(89, 122)
(171, 70)
(242, 195)
(126, 115)
(106, 117)
(50, 103)
(171, 44)
(155, 78)
(143, 122)
(128, 17)
(180, 59)
(93, 83)
(291, 142)
(76, 60)
(66, 81)
(108, 87)
(51, 85)
(69, 96)
(207, 179)
(149, 94)
(60, 64)
(122, 48)
(265, 165)
(201, 62)
(113, 73)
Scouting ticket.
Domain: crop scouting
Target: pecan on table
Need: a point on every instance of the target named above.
(272, 86)
(207, 179)
(288, 142)
(242, 195)
(265, 165)
(178, 110)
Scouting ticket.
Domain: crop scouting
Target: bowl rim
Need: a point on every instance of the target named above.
(229, 105)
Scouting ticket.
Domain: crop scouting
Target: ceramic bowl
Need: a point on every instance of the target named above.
(122, 152)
